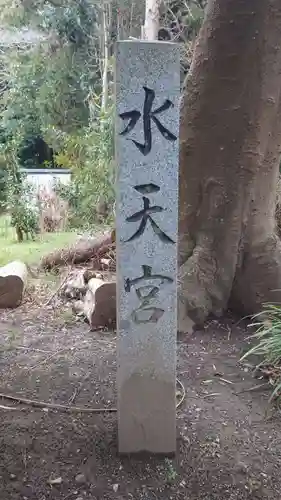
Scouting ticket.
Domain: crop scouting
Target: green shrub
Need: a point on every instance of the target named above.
(19, 197)
(268, 343)
(3, 189)
(3, 182)
(25, 221)
(90, 194)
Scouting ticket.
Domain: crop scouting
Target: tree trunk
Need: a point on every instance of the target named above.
(106, 21)
(151, 24)
(229, 253)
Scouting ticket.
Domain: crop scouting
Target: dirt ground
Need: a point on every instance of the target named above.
(229, 440)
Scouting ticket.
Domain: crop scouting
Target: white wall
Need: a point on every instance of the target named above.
(46, 178)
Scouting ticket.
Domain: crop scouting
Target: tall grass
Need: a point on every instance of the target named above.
(267, 340)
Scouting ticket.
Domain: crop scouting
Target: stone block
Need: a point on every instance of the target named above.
(147, 83)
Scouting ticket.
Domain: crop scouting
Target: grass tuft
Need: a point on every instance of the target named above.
(267, 346)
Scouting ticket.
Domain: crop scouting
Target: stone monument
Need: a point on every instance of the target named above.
(147, 129)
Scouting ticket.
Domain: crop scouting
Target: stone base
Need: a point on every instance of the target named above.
(147, 416)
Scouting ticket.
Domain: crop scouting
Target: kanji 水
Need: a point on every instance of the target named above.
(148, 115)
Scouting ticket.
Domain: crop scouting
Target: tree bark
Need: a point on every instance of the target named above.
(229, 253)
(151, 24)
(106, 22)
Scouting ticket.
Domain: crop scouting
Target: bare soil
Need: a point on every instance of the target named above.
(229, 439)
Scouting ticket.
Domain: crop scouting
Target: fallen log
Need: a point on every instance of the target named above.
(79, 252)
(13, 278)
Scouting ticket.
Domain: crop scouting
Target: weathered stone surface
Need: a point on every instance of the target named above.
(147, 78)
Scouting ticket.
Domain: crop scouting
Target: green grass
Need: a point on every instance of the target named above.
(29, 252)
(268, 343)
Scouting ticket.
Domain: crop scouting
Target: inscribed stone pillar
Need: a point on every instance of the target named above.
(147, 129)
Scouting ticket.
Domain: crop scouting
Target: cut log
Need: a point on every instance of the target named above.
(100, 304)
(80, 252)
(13, 278)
